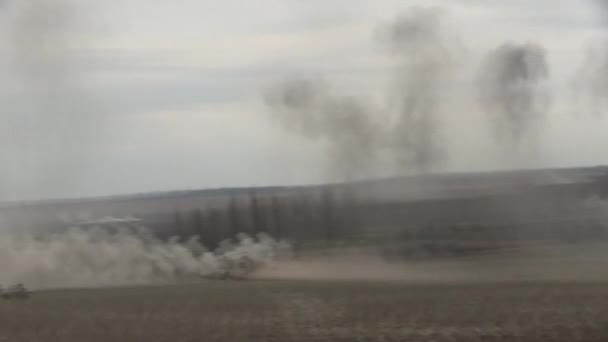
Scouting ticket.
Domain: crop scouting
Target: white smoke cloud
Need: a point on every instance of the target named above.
(98, 257)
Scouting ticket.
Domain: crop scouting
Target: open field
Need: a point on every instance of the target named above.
(544, 293)
(314, 311)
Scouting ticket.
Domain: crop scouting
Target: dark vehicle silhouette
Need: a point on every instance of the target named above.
(17, 291)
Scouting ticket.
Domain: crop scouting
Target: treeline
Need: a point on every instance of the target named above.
(313, 215)
(330, 214)
(337, 214)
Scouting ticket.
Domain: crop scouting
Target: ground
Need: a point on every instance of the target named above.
(288, 310)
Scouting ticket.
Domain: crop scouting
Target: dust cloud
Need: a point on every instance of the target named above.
(98, 257)
(529, 263)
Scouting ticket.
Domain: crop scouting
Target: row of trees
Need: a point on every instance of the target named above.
(330, 215)
(312, 215)
(336, 214)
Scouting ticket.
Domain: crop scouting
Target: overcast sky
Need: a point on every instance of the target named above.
(178, 86)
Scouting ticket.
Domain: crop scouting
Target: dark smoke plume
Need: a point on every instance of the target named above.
(51, 125)
(310, 108)
(591, 79)
(358, 136)
(511, 93)
(418, 43)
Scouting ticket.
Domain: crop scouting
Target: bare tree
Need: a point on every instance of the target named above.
(257, 220)
(328, 214)
(277, 217)
(233, 216)
(197, 221)
(178, 225)
(212, 237)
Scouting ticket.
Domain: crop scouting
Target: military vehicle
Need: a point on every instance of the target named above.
(17, 291)
(234, 269)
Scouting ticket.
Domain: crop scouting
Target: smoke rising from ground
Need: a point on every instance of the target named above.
(96, 257)
(52, 124)
(511, 92)
(358, 135)
(311, 108)
(419, 46)
(591, 79)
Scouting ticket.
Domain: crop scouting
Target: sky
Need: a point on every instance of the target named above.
(168, 95)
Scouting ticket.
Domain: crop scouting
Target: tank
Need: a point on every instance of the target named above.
(17, 291)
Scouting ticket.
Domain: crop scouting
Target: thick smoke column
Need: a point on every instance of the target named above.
(591, 79)
(511, 92)
(310, 108)
(96, 257)
(358, 136)
(419, 45)
(50, 125)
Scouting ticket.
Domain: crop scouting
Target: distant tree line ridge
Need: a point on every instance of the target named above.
(566, 211)
(336, 215)
(306, 216)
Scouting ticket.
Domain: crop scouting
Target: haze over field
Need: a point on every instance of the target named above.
(303, 170)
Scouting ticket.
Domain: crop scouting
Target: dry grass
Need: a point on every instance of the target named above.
(313, 311)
